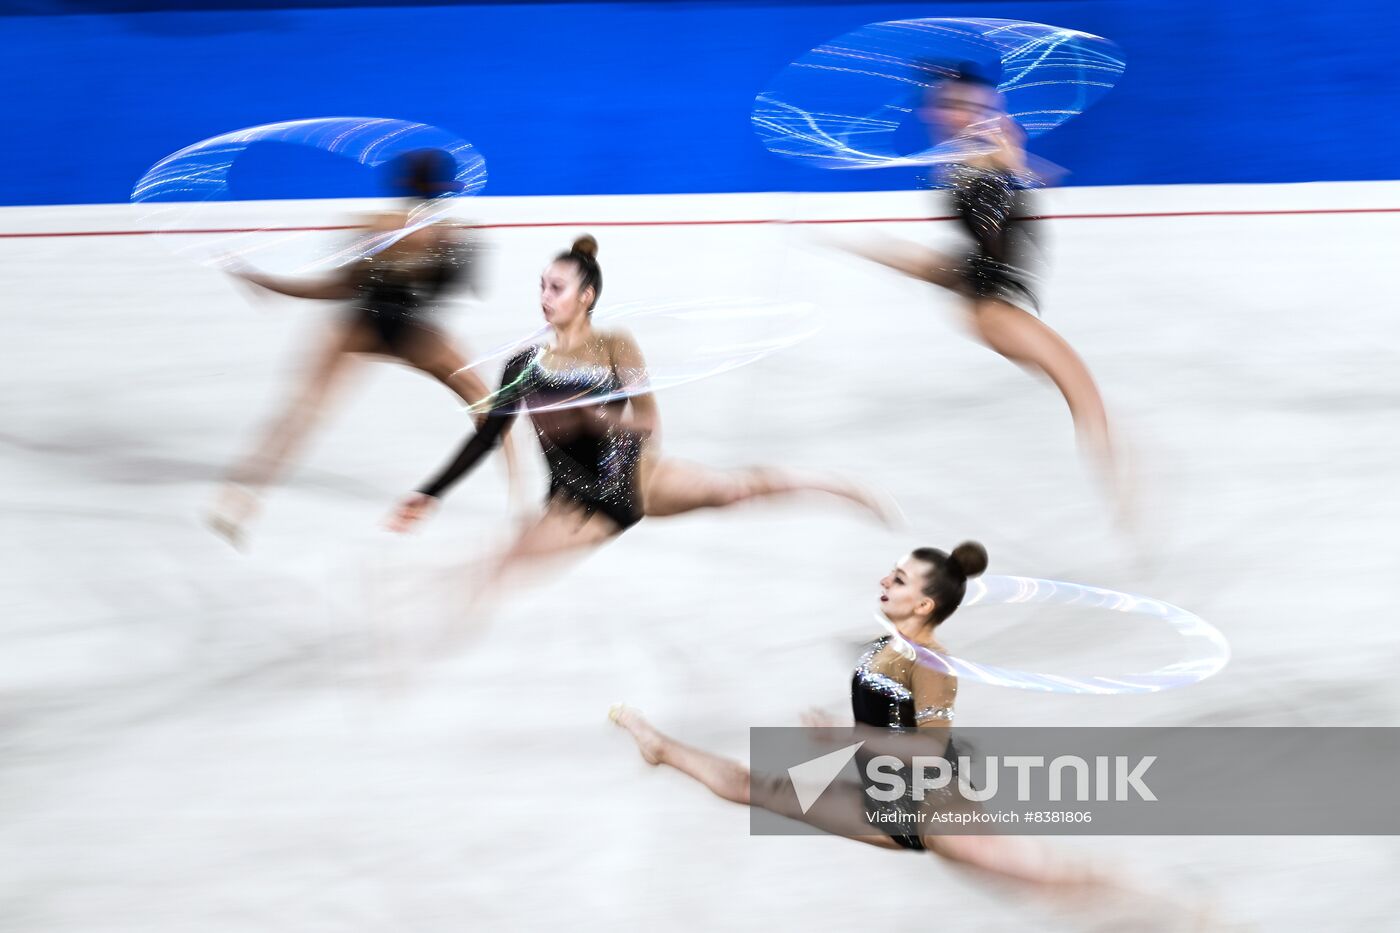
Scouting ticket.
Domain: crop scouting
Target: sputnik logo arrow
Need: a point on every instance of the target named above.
(811, 778)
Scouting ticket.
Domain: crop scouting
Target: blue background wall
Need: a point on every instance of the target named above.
(624, 98)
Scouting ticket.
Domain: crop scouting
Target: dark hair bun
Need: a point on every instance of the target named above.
(968, 559)
(974, 73)
(425, 173)
(932, 71)
(585, 246)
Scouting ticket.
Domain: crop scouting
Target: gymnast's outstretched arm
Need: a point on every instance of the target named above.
(504, 406)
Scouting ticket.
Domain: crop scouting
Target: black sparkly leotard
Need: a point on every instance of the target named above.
(396, 292)
(592, 461)
(991, 206)
(885, 700)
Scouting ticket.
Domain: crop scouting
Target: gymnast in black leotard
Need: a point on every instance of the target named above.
(587, 394)
(890, 690)
(408, 264)
(988, 192)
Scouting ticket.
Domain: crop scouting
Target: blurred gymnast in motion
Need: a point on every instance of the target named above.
(889, 690)
(392, 290)
(588, 397)
(988, 186)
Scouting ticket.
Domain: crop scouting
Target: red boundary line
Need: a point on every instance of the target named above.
(714, 223)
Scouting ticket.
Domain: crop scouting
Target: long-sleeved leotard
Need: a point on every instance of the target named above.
(592, 459)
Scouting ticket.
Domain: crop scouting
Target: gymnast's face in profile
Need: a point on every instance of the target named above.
(955, 108)
(902, 591)
(560, 298)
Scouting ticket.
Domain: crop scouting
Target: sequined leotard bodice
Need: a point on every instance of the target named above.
(592, 460)
(991, 205)
(884, 697)
(395, 288)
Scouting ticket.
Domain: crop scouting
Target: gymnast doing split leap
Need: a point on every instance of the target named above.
(587, 395)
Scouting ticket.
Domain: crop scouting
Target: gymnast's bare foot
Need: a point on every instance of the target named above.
(649, 741)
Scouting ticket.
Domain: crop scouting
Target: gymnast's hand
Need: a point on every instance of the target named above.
(410, 512)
